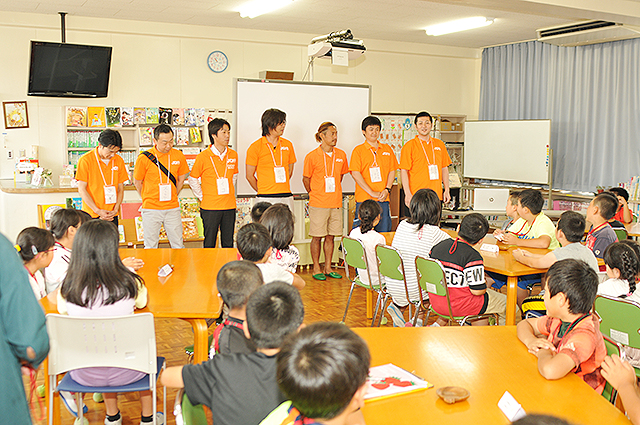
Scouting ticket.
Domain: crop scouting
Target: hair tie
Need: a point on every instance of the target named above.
(34, 250)
(17, 247)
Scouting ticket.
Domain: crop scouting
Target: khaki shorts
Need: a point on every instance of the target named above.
(325, 221)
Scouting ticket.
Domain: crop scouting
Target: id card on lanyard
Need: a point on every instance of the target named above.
(222, 183)
(374, 171)
(110, 193)
(329, 179)
(279, 171)
(434, 173)
(164, 189)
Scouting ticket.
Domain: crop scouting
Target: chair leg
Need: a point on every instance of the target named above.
(51, 391)
(375, 314)
(415, 316)
(384, 305)
(348, 302)
(79, 407)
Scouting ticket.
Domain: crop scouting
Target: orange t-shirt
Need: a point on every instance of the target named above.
(317, 165)
(209, 167)
(152, 177)
(93, 171)
(416, 157)
(265, 158)
(364, 157)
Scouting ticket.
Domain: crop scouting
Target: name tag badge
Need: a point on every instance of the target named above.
(110, 195)
(329, 184)
(165, 192)
(223, 186)
(374, 173)
(433, 172)
(281, 174)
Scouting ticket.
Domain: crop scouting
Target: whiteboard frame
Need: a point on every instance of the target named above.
(243, 189)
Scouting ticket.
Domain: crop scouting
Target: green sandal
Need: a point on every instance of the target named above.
(333, 275)
(319, 276)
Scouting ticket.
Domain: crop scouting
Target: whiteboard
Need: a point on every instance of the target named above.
(307, 105)
(515, 151)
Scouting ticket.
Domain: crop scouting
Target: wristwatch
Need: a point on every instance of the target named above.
(388, 190)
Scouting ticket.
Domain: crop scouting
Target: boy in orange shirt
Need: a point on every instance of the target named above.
(324, 168)
(373, 166)
(212, 180)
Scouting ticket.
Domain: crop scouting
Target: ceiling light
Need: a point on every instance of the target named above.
(459, 25)
(255, 8)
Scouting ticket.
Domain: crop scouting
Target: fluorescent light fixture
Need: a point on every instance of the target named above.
(459, 25)
(255, 8)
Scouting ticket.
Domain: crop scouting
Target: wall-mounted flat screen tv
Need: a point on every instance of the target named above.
(69, 70)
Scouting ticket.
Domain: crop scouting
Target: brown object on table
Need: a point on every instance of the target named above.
(452, 395)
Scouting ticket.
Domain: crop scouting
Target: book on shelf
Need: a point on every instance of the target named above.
(182, 136)
(390, 380)
(164, 115)
(126, 116)
(146, 136)
(139, 116)
(76, 116)
(178, 116)
(96, 116)
(113, 116)
(190, 117)
(201, 116)
(194, 133)
(152, 115)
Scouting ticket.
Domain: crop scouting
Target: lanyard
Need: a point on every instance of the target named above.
(333, 167)
(425, 152)
(168, 167)
(100, 168)
(573, 325)
(224, 161)
(454, 245)
(518, 234)
(375, 157)
(271, 152)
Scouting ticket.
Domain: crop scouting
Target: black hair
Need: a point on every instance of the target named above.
(620, 191)
(607, 203)
(236, 281)
(425, 208)
(64, 218)
(537, 419)
(577, 281)
(473, 228)
(109, 138)
(253, 241)
(96, 266)
(271, 118)
(572, 224)
(633, 245)
(273, 312)
(279, 221)
(33, 240)
(259, 209)
(532, 199)
(215, 125)
(321, 367)
(371, 120)
(368, 211)
(162, 129)
(514, 195)
(323, 127)
(622, 257)
(423, 114)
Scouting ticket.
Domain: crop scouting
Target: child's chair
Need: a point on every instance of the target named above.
(621, 234)
(431, 278)
(355, 256)
(612, 348)
(127, 342)
(390, 265)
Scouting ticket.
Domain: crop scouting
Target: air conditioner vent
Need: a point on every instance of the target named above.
(586, 32)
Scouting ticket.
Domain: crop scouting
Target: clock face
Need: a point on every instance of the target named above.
(217, 61)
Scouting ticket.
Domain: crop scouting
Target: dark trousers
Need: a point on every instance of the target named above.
(212, 220)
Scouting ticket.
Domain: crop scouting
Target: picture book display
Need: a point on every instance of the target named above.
(178, 116)
(390, 380)
(182, 136)
(139, 116)
(76, 116)
(164, 115)
(146, 136)
(96, 116)
(152, 115)
(113, 116)
(127, 116)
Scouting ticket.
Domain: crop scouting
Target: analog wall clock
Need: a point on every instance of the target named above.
(217, 61)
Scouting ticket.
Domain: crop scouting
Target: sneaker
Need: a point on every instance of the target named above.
(419, 323)
(434, 325)
(396, 316)
(159, 419)
(98, 398)
(69, 400)
(118, 422)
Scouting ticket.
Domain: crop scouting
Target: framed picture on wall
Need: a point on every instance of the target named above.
(15, 114)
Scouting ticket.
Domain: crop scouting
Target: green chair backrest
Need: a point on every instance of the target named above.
(431, 276)
(612, 348)
(390, 262)
(192, 415)
(619, 319)
(354, 254)
(621, 234)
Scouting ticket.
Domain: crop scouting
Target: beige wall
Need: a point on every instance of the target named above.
(165, 65)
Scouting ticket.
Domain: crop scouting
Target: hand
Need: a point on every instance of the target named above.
(446, 197)
(510, 238)
(618, 372)
(498, 233)
(538, 344)
(383, 195)
(622, 201)
(133, 262)
(105, 215)
(407, 199)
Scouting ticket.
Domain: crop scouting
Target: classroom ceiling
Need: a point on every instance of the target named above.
(394, 20)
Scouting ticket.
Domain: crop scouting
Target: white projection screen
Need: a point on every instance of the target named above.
(516, 151)
(307, 105)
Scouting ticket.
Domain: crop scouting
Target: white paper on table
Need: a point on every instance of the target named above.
(510, 407)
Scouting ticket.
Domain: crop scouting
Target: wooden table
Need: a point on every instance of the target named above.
(487, 361)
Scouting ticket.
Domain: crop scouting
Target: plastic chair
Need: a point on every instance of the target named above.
(621, 234)
(390, 265)
(431, 278)
(619, 320)
(355, 256)
(186, 413)
(127, 342)
(612, 348)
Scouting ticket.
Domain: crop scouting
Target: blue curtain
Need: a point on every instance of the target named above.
(591, 94)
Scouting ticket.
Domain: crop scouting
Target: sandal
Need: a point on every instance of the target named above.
(319, 276)
(333, 275)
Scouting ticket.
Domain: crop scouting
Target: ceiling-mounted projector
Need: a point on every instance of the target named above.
(323, 45)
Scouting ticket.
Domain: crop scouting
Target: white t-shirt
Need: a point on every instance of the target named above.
(55, 273)
(369, 240)
(274, 273)
(613, 287)
(37, 284)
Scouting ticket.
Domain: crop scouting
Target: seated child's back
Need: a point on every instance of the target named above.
(601, 209)
(279, 221)
(369, 214)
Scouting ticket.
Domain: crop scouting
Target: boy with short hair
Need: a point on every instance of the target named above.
(323, 370)
(254, 244)
(464, 270)
(512, 213)
(236, 281)
(623, 213)
(601, 209)
(242, 388)
(568, 338)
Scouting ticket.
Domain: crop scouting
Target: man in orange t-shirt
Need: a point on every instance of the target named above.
(270, 160)
(373, 166)
(101, 175)
(212, 180)
(159, 189)
(424, 162)
(324, 168)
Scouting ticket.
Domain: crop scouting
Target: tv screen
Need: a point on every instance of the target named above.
(69, 70)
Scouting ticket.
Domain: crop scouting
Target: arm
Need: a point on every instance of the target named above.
(196, 186)
(622, 377)
(627, 216)
(251, 176)
(172, 377)
(138, 184)
(298, 282)
(552, 365)
(291, 169)
(446, 195)
(306, 181)
(384, 194)
(133, 263)
(541, 242)
(143, 297)
(180, 182)
(404, 178)
(116, 207)
(534, 260)
(363, 184)
(528, 334)
(478, 291)
(86, 197)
